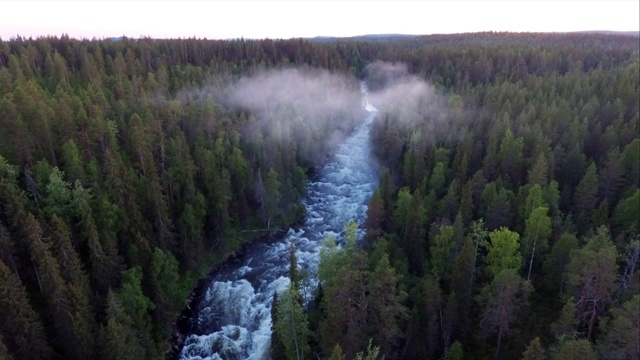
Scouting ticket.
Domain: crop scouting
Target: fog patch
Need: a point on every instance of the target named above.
(316, 97)
(310, 105)
(410, 101)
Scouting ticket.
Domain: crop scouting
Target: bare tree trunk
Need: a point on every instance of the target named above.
(35, 270)
(592, 320)
(497, 355)
(531, 261)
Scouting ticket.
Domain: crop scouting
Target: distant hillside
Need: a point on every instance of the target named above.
(394, 37)
(368, 37)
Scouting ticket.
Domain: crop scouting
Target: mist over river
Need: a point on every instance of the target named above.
(233, 318)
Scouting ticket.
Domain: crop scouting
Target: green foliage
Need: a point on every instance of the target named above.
(20, 323)
(574, 349)
(386, 312)
(372, 353)
(272, 195)
(627, 213)
(165, 279)
(556, 262)
(622, 332)
(510, 158)
(132, 298)
(293, 268)
(455, 351)
(359, 299)
(630, 158)
(337, 353)
(276, 350)
(536, 235)
(566, 322)
(119, 339)
(534, 351)
(585, 198)
(350, 235)
(375, 217)
(292, 325)
(501, 300)
(591, 277)
(503, 251)
(413, 240)
(403, 209)
(442, 252)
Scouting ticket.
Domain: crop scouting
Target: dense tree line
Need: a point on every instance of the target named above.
(505, 224)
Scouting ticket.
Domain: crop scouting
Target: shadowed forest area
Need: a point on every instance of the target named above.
(506, 222)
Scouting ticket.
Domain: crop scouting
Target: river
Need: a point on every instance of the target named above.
(233, 318)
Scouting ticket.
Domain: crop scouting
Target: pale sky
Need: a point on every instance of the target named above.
(287, 19)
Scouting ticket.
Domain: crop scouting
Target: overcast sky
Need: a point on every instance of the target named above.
(287, 19)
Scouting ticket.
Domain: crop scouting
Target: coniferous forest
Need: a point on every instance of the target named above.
(506, 223)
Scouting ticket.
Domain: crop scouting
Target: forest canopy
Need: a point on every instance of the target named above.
(506, 222)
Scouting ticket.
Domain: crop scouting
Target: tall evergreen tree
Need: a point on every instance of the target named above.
(501, 300)
(276, 349)
(292, 325)
(20, 323)
(536, 235)
(591, 278)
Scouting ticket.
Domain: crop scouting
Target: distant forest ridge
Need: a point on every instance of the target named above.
(365, 37)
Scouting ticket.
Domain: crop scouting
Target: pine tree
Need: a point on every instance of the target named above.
(371, 353)
(620, 340)
(591, 278)
(555, 263)
(69, 262)
(574, 349)
(501, 301)
(462, 284)
(534, 351)
(510, 158)
(276, 350)
(71, 321)
(414, 235)
(7, 248)
(19, 321)
(537, 174)
(375, 218)
(585, 198)
(536, 235)
(118, 339)
(343, 275)
(136, 305)
(627, 213)
(293, 268)
(442, 253)
(385, 306)
(272, 196)
(456, 352)
(565, 324)
(4, 352)
(336, 354)
(292, 325)
(168, 294)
